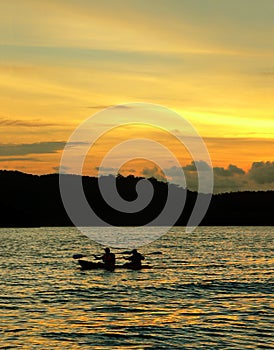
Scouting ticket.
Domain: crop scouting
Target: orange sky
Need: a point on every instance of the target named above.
(62, 61)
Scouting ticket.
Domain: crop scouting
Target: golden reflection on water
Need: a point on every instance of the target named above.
(191, 297)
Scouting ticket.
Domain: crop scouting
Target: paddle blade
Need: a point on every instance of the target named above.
(78, 256)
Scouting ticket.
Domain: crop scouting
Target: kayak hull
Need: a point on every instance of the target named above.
(90, 265)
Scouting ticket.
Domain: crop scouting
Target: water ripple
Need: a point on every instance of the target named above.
(212, 289)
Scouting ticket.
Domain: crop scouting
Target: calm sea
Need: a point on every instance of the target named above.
(211, 289)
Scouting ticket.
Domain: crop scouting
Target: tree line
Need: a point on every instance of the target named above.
(35, 201)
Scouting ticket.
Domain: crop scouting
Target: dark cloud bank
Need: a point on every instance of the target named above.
(259, 177)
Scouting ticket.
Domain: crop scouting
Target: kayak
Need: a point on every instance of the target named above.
(89, 265)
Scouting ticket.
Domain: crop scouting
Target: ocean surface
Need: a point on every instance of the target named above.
(209, 289)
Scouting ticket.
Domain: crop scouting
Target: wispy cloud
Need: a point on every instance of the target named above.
(17, 159)
(268, 72)
(36, 123)
(31, 148)
(110, 106)
(105, 169)
(99, 107)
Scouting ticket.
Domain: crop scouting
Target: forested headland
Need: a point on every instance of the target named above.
(33, 201)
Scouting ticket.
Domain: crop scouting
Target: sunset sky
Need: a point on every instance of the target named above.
(211, 61)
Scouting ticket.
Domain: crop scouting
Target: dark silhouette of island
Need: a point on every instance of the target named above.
(35, 201)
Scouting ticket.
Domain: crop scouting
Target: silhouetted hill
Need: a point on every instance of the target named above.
(30, 200)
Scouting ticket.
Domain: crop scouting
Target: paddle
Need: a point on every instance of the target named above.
(78, 256)
(152, 253)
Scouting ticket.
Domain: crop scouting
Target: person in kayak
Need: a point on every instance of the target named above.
(108, 259)
(135, 259)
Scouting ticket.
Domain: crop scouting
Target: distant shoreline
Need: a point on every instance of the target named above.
(35, 201)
